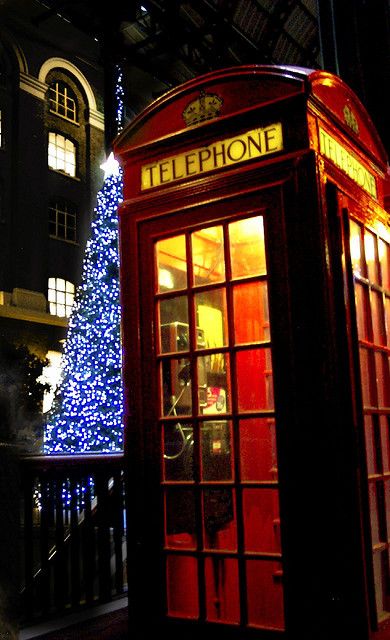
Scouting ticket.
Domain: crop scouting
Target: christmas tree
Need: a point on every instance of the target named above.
(87, 412)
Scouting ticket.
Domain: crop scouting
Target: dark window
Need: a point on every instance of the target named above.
(62, 101)
(62, 220)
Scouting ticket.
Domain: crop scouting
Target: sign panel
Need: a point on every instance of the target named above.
(347, 162)
(222, 153)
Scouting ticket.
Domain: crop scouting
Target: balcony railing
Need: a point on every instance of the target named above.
(73, 533)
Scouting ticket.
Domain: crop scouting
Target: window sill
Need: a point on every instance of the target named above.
(74, 243)
(63, 173)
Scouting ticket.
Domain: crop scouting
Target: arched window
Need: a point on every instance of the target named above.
(61, 154)
(62, 101)
(62, 220)
(60, 297)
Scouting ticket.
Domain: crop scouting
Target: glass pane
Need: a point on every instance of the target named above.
(214, 371)
(222, 590)
(247, 249)
(171, 261)
(366, 376)
(253, 324)
(180, 527)
(210, 313)
(182, 586)
(174, 324)
(265, 594)
(258, 449)
(220, 530)
(382, 377)
(216, 451)
(380, 582)
(178, 448)
(370, 445)
(384, 258)
(262, 520)
(385, 443)
(208, 255)
(254, 380)
(176, 387)
(373, 513)
(361, 300)
(355, 248)
(377, 311)
(387, 504)
(371, 256)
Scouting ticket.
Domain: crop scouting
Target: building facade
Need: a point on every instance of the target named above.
(51, 149)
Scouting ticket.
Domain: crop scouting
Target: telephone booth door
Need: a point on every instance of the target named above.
(215, 434)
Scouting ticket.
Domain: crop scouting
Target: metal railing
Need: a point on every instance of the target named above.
(73, 525)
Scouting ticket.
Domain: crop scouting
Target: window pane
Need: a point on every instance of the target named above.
(371, 256)
(265, 594)
(380, 582)
(385, 443)
(370, 445)
(374, 512)
(222, 590)
(382, 379)
(377, 311)
(178, 451)
(210, 313)
(262, 520)
(254, 380)
(253, 325)
(208, 255)
(220, 529)
(247, 250)
(258, 460)
(366, 372)
(214, 376)
(387, 314)
(171, 263)
(180, 526)
(174, 324)
(182, 586)
(361, 301)
(176, 387)
(355, 248)
(69, 286)
(216, 451)
(384, 257)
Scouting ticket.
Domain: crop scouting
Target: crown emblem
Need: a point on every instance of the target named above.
(350, 119)
(206, 107)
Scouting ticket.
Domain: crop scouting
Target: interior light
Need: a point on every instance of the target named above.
(165, 279)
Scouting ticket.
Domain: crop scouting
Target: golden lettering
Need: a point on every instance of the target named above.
(348, 163)
(252, 144)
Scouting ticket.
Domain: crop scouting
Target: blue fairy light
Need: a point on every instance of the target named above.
(87, 413)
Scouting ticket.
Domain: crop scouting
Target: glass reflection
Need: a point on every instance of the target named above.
(174, 334)
(178, 448)
(176, 386)
(214, 394)
(253, 325)
(208, 255)
(247, 249)
(171, 263)
(216, 451)
(220, 530)
(210, 309)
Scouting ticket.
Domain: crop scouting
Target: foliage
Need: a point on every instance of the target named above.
(21, 391)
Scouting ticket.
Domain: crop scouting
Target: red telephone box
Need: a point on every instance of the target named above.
(255, 283)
